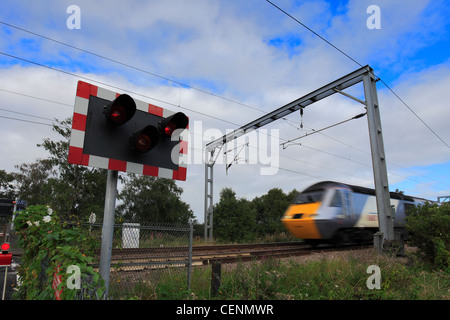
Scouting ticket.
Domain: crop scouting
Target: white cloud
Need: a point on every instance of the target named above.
(223, 46)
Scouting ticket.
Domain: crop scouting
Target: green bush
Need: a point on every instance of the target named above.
(49, 248)
(429, 227)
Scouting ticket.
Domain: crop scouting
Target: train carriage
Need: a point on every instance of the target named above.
(335, 212)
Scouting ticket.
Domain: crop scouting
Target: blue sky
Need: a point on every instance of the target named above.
(252, 59)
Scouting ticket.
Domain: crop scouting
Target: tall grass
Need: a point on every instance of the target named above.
(326, 278)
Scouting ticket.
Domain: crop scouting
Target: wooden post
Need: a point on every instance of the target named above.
(216, 277)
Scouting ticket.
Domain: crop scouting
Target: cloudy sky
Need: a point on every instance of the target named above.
(227, 62)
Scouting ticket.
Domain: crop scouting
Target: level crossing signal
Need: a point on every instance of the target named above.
(5, 255)
(116, 132)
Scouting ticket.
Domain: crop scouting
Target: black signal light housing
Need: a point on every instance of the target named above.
(145, 139)
(120, 110)
(174, 122)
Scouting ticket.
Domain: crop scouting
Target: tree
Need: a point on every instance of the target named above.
(34, 182)
(234, 219)
(270, 208)
(70, 189)
(429, 228)
(149, 199)
(7, 186)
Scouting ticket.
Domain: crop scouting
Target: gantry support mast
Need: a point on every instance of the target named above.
(364, 75)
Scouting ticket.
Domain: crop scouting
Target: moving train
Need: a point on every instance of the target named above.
(333, 212)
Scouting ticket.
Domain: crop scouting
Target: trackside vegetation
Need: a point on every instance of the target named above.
(49, 248)
(424, 273)
(49, 244)
(340, 276)
(429, 227)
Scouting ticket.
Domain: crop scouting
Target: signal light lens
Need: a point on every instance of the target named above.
(170, 128)
(5, 246)
(143, 143)
(121, 109)
(174, 122)
(145, 140)
(118, 114)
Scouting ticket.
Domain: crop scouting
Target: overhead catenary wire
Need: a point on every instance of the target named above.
(135, 68)
(34, 97)
(66, 72)
(281, 156)
(317, 131)
(315, 33)
(138, 69)
(113, 86)
(29, 121)
(359, 64)
(213, 94)
(54, 122)
(415, 114)
(25, 114)
(171, 79)
(116, 87)
(47, 124)
(131, 66)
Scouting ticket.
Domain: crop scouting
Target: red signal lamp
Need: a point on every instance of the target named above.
(120, 110)
(145, 139)
(170, 128)
(5, 247)
(5, 257)
(172, 123)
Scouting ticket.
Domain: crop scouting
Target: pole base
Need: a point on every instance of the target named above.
(394, 247)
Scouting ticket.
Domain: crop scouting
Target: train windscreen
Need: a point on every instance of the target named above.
(309, 197)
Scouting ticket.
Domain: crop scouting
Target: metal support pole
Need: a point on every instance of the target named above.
(208, 199)
(205, 218)
(4, 283)
(191, 240)
(108, 226)
(385, 219)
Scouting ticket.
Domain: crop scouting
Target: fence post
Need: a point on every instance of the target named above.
(216, 277)
(191, 239)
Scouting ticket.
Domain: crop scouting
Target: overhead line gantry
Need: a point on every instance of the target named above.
(364, 75)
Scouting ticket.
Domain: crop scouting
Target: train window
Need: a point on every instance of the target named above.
(336, 201)
(309, 197)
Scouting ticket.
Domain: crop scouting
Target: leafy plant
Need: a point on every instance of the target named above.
(429, 226)
(49, 248)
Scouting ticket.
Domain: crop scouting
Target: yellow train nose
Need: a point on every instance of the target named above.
(300, 222)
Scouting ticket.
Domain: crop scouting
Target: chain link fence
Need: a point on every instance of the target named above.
(143, 255)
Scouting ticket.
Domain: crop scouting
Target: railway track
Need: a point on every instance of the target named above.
(154, 258)
(247, 252)
(137, 259)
